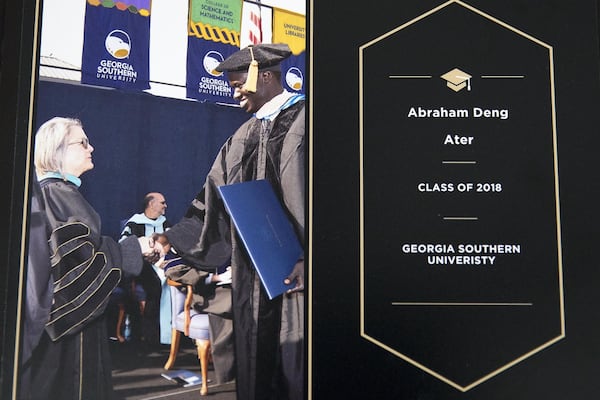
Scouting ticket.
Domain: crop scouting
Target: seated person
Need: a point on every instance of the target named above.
(211, 295)
(123, 298)
(150, 288)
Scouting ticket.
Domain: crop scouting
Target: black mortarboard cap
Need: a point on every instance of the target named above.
(266, 55)
(253, 58)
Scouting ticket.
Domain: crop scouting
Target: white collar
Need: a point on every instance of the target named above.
(271, 108)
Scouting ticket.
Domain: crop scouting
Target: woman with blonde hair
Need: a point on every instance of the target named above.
(71, 359)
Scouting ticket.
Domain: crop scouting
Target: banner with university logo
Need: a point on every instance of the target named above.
(290, 28)
(116, 44)
(213, 35)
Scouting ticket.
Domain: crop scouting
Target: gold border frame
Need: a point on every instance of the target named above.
(309, 275)
(25, 198)
(557, 202)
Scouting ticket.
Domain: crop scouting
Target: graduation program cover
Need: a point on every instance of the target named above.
(453, 188)
(454, 194)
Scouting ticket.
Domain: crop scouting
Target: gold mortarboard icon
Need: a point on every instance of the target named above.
(457, 79)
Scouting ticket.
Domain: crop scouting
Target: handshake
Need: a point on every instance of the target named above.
(155, 247)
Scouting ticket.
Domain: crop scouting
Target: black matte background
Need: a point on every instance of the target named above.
(347, 366)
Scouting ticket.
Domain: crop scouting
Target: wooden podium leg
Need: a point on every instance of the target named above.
(203, 347)
(120, 319)
(175, 335)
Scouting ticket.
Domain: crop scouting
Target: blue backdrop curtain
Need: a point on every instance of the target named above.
(142, 143)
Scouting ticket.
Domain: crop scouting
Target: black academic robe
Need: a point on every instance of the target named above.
(72, 359)
(269, 334)
(38, 287)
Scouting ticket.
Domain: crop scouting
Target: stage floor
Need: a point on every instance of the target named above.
(137, 373)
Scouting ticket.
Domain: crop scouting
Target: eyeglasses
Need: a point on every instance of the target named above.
(84, 142)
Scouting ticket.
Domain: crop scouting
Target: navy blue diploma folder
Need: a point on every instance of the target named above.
(266, 231)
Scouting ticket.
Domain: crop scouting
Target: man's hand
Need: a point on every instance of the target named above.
(223, 278)
(297, 276)
(152, 249)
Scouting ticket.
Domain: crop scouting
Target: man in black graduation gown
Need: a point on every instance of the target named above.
(269, 334)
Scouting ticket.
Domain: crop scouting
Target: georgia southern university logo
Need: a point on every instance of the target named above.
(214, 84)
(294, 78)
(118, 46)
(211, 60)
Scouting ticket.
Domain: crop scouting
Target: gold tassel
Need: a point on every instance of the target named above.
(252, 78)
